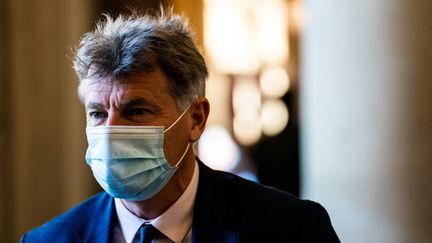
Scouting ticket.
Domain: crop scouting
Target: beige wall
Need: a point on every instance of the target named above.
(367, 117)
(42, 140)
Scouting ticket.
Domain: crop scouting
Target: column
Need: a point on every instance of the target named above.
(366, 116)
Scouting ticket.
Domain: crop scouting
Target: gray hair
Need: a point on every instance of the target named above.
(142, 43)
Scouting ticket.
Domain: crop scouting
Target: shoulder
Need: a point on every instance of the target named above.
(250, 208)
(232, 185)
(269, 202)
(250, 195)
(67, 227)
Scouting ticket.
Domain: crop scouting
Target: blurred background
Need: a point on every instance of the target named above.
(330, 100)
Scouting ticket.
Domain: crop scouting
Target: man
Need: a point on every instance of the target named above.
(142, 81)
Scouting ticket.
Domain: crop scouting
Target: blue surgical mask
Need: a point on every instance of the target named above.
(129, 161)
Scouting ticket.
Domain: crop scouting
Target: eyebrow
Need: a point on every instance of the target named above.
(126, 105)
(137, 102)
(94, 106)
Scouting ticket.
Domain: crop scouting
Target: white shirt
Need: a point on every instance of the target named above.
(175, 223)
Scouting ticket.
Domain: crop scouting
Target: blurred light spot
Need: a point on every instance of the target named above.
(246, 94)
(247, 126)
(274, 82)
(218, 92)
(217, 149)
(229, 37)
(274, 116)
(271, 30)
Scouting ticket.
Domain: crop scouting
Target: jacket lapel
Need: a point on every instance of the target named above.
(213, 221)
(97, 222)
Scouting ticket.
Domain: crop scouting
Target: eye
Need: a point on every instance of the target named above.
(136, 112)
(96, 114)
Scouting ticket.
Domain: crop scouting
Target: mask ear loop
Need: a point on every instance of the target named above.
(178, 119)
(184, 154)
(173, 124)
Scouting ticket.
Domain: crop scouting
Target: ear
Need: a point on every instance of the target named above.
(199, 110)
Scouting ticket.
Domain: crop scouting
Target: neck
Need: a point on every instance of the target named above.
(158, 204)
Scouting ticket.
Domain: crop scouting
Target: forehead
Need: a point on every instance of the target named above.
(152, 86)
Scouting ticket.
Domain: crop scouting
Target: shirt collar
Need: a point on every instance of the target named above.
(174, 223)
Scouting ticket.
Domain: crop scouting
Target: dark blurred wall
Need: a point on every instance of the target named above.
(121, 6)
(277, 158)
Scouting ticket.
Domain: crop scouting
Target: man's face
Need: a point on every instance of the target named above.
(138, 100)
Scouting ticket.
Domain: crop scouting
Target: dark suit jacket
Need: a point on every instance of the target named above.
(227, 209)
